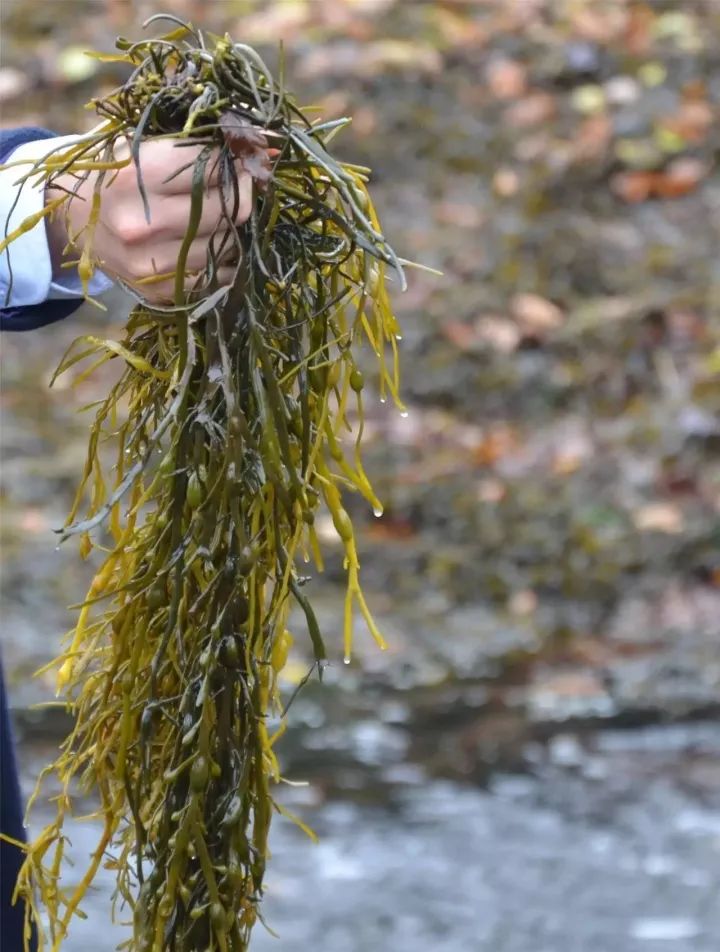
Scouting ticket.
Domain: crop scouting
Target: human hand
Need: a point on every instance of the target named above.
(124, 245)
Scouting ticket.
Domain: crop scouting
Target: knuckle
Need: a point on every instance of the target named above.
(131, 230)
(131, 233)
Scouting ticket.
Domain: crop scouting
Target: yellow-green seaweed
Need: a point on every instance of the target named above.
(231, 429)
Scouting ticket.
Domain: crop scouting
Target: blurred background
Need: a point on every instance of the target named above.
(534, 765)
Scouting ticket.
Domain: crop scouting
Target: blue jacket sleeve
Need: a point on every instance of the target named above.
(38, 315)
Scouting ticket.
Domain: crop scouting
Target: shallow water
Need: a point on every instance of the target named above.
(611, 843)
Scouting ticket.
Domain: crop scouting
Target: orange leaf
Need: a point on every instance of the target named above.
(390, 528)
(535, 314)
(682, 177)
(506, 78)
(463, 336)
(633, 187)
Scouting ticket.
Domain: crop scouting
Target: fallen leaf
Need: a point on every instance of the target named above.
(632, 187)
(13, 82)
(686, 326)
(500, 333)
(462, 335)
(588, 99)
(495, 444)
(622, 90)
(565, 464)
(491, 490)
(681, 177)
(344, 58)
(652, 74)
(276, 22)
(691, 122)
(523, 603)
(592, 139)
(506, 78)
(506, 182)
(335, 104)
(589, 650)
(364, 121)
(566, 684)
(390, 528)
(458, 214)
(659, 517)
(638, 30)
(535, 314)
(34, 521)
(641, 155)
(533, 109)
(248, 144)
(457, 30)
(599, 25)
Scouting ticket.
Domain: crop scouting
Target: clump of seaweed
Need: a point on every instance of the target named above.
(231, 427)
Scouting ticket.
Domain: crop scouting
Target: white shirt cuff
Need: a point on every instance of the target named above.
(25, 265)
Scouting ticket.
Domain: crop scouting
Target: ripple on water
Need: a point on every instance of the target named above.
(665, 930)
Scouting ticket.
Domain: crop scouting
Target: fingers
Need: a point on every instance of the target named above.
(170, 215)
(198, 255)
(172, 212)
(168, 166)
(151, 271)
(162, 291)
(178, 172)
(161, 258)
(225, 275)
(145, 254)
(245, 190)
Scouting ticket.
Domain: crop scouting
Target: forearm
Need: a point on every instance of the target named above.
(57, 240)
(123, 243)
(30, 272)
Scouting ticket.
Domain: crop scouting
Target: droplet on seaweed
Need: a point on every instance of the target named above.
(378, 511)
(398, 337)
(382, 399)
(347, 659)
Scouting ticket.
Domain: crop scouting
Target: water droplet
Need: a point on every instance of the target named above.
(398, 337)
(382, 399)
(404, 414)
(127, 450)
(347, 659)
(57, 548)
(378, 511)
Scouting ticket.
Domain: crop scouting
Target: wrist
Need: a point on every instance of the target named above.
(57, 224)
(57, 237)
